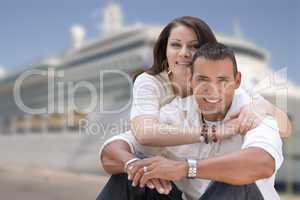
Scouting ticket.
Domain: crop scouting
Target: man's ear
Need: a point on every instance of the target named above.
(238, 79)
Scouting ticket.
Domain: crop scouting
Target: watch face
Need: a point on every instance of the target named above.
(192, 171)
(192, 161)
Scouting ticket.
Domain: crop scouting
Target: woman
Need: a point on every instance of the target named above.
(166, 79)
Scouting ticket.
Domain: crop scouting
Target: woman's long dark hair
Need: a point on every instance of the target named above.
(202, 30)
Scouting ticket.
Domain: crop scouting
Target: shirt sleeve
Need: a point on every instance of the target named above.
(170, 113)
(146, 95)
(267, 137)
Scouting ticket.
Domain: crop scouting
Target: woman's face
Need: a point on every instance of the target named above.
(182, 44)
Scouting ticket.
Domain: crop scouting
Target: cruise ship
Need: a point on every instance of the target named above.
(59, 110)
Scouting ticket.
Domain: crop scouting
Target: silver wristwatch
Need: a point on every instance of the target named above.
(192, 168)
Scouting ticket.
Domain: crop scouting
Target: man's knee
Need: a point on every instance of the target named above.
(222, 191)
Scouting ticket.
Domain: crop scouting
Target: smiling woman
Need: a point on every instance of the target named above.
(181, 46)
(173, 53)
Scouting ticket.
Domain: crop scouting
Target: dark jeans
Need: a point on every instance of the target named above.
(119, 188)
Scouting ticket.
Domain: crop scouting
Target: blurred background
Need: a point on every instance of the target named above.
(66, 71)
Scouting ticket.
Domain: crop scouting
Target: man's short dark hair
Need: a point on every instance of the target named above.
(216, 51)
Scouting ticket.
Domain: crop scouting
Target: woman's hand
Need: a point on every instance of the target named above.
(226, 130)
(163, 168)
(135, 172)
(240, 122)
(247, 118)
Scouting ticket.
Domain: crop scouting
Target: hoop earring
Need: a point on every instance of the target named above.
(166, 67)
(169, 72)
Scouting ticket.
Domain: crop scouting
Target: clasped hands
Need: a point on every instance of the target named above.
(156, 173)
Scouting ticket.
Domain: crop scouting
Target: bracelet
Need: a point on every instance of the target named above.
(129, 162)
(203, 134)
(214, 136)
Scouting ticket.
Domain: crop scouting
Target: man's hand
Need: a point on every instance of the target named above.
(135, 172)
(164, 168)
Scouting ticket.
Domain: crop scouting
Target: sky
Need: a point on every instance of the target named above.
(35, 29)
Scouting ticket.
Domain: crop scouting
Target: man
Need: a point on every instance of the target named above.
(242, 167)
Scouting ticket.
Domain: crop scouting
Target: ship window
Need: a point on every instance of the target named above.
(100, 55)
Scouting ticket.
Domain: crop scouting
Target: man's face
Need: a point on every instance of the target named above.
(213, 84)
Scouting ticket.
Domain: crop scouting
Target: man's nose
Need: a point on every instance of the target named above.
(213, 90)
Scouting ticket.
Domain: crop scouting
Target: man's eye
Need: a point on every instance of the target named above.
(201, 80)
(224, 81)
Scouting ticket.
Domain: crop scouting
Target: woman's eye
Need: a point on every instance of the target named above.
(194, 47)
(175, 45)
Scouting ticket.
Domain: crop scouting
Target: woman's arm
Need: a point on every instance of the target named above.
(254, 110)
(149, 131)
(249, 117)
(283, 121)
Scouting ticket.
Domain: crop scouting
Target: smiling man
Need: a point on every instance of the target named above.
(215, 79)
(242, 167)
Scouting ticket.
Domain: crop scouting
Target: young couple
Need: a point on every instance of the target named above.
(195, 133)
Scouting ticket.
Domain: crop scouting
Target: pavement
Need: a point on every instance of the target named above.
(44, 184)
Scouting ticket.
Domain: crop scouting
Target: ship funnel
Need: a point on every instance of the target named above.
(77, 36)
(112, 19)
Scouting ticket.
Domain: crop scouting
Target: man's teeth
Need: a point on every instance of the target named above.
(212, 100)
